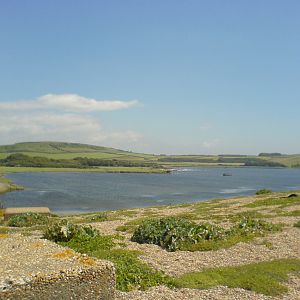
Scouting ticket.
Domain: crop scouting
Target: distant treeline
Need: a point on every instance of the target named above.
(247, 161)
(250, 161)
(296, 166)
(270, 154)
(22, 160)
(187, 159)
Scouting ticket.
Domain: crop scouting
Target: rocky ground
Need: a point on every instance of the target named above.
(18, 250)
(284, 244)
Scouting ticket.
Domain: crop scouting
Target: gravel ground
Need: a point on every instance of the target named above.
(31, 258)
(165, 293)
(284, 244)
(30, 261)
(217, 293)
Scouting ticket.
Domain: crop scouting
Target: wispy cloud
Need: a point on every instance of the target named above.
(61, 127)
(65, 117)
(205, 127)
(68, 102)
(210, 144)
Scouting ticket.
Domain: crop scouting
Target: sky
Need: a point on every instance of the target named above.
(164, 77)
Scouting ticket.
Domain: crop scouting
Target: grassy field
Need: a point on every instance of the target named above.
(59, 150)
(94, 170)
(6, 185)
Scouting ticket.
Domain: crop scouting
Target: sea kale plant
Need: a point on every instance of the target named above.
(171, 233)
(181, 234)
(64, 231)
(27, 220)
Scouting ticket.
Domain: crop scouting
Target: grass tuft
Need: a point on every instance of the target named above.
(282, 202)
(263, 277)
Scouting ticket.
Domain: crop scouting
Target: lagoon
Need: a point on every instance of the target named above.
(66, 193)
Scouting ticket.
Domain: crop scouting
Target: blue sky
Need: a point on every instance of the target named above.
(168, 76)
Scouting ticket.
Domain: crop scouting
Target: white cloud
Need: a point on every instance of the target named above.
(205, 127)
(60, 127)
(64, 117)
(210, 144)
(69, 103)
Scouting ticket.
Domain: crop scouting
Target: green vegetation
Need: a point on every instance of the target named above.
(263, 277)
(27, 220)
(263, 192)
(179, 233)
(85, 170)
(297, 224)
(99, 217)
(130, 226)
(243, 160)
(64, 231)
(131, 272)
(189, 159)
(7, 185)
(292, 213)
(22, 160)
(175, 233)
(70, 151)
(56, 147)
(270, 154)
(282, 202)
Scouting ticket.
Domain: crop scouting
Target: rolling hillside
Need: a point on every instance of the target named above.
(61, 150)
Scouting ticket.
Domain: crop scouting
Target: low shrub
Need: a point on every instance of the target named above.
(263, 192)
(181, 234)
(249, 225)
(170, 233)
(27, 220)
(297, 224)
(64, 231)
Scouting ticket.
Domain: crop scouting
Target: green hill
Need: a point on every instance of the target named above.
(55, 147)
(61, 150)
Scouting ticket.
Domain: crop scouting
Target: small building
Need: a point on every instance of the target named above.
(12, 211)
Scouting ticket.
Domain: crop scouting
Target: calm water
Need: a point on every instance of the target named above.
(85, 192)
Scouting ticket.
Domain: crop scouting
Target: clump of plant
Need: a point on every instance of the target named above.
(64, 231)
(27, 220)
(100, 217)
(171, 233)
(181, 234)
(263, 277)
(131, 272)
(297, 224)
(263, 192)
(249, 225)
